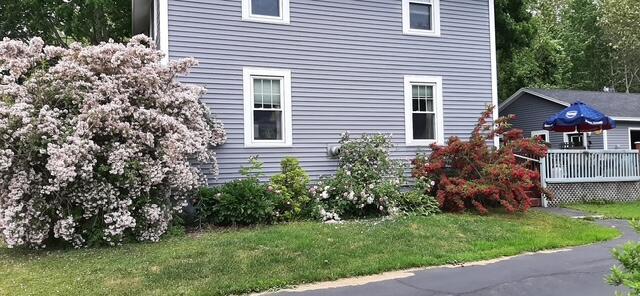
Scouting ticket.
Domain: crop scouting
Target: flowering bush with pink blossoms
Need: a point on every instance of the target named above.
(97, 143)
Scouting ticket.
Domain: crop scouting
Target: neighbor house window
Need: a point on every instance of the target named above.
(267, 108)
(575, 140)
(269, 11)
(423, 110)
(421, 17)
(634, 137)
(544, 134)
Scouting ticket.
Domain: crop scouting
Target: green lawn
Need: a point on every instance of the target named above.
(627, 211)
(234, 262)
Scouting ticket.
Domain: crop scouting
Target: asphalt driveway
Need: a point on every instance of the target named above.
(579, 271)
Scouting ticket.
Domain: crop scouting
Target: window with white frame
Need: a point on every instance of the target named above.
(423, 110)
(544, 134)
(634, 137)
(576, 140)
(268, 11)
(267, 108)
(421, 17)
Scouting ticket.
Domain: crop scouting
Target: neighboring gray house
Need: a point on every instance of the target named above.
(287, 77)
(533, 106)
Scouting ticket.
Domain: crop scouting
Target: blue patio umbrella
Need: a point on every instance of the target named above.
(579, 117)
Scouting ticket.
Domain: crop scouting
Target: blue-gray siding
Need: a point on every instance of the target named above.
(531, 112)
(348, 60)
(618, 138)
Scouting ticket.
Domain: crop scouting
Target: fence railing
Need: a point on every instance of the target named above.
(572, 166)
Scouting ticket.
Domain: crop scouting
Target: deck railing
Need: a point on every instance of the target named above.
(572, 166)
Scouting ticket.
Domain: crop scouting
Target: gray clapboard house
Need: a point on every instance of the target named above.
(287, 77)
(533, 106)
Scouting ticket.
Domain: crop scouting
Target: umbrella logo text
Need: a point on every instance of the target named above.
(571, 114)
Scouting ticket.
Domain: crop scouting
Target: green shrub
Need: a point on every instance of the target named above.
(629, 274)
(418, 201)
(292, 185)
(177, 227)
(366, 182)
(254, 170)
(240, 202)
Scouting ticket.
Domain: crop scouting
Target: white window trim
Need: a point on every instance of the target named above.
(285, 15)
(163, 23)
(436, 81)
(287, 132)
(629, 135)
(585, 138)
(406, 18)
(494, 68)
(541, 132)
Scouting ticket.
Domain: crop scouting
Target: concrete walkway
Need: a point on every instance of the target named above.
(579, 271)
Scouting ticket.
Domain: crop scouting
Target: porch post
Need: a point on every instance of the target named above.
(585, 140)
(543, 180)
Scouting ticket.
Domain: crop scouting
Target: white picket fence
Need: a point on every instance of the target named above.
(575, 166)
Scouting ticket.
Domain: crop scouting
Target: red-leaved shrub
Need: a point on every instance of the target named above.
(474, 174)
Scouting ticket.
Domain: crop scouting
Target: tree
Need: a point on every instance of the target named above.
(567, 50)
(514, 31)
(585, 46)
(95, 21)
(60, 22)
(543, 61)
(24, 19)
(619, 22)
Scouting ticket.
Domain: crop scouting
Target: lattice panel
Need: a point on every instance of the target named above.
(585, 192)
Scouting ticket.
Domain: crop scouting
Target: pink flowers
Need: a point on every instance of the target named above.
(100, 136)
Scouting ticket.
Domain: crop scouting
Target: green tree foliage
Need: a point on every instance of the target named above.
(514, 31)
(576, 44)
(543, 62)
(619, 23)
(628, 272)
(585, 46)
(513, 26)
(60, 22)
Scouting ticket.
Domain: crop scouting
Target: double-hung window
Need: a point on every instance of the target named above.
(268, 11)
(423, 110)
(421, 17)
(267, 108)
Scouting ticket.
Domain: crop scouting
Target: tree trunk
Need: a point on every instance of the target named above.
(627, 81)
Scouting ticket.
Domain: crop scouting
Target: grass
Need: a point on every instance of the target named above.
(258, 259)
(628, 211)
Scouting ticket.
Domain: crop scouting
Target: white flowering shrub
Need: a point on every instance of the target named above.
(97, 142)
(366, 183)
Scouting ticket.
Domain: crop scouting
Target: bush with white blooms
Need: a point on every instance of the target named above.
(97, 143)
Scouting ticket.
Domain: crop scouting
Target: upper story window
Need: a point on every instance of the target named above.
(421, 17)
(267, 108)
(423, 110)
(268, 11)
